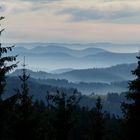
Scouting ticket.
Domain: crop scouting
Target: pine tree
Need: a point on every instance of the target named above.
(6, 105)
(132, 107)
(4, 68)
(24, 124)
(98, 122)
(25, 98)
(64, 106)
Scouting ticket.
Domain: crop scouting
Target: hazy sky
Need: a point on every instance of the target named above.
(71, 20)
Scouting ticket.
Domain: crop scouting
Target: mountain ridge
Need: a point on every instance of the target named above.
(116, 73)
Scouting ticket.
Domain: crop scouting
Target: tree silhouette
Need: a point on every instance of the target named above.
(6, 105)
(24, 127)
(25, 98)
(4, 68)
(132, 107)
(98, 122)
(64, 106)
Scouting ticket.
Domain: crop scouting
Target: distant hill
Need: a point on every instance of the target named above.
(83, 87)
(59, 71)
(36, 75)
(106, 75)
(56, 56)
(60, 49)
(110, 58)
(99, 81)
(88, 88)
(39, 88)
(116, 47)
(99, 75)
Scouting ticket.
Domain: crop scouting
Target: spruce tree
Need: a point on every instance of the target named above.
(6, 105)
(23, 128)
(132, 107)
(25, 98)
(4, 67)
(99, 120)
(64, 106)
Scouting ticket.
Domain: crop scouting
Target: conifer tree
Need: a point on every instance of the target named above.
(6, 105)
(132, 107)
(24, 124)
(4, 67)
(25, 98)
(98, 123)
(64, 106)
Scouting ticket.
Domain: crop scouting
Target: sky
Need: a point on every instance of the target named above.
(81, 21)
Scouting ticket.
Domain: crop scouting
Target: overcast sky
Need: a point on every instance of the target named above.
(71, 20)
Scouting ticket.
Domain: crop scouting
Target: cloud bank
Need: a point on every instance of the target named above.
(71, 20)
(79, 10)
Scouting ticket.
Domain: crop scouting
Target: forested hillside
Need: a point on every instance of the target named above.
(102, 75)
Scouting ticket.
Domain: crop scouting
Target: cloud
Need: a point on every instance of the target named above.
(38, 1)
(2, 8)
(78, 10)
(82, 14)
(96, 20)
(19, 6)
(94, 14)
(104, 11)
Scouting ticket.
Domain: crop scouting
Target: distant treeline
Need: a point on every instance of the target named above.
(38, 88)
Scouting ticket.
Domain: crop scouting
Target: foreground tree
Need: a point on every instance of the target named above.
(132, 107)
(6, 105)
(4, 67)
(25, 122)
(64, 106)
(25, 100)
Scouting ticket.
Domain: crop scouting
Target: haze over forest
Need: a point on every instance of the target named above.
(92, 42)
(69, 69)
(53, 56)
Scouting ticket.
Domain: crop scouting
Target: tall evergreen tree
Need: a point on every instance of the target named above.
(24, 124)
(98, 122)
(5, 104)
(4, 67)
(132, 107)
(25, 98)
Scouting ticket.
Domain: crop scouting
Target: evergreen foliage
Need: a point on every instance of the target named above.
(132, 107)
(6, 105)
(25, 125)
(99, 121)
(4, 67)
(64, 107)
